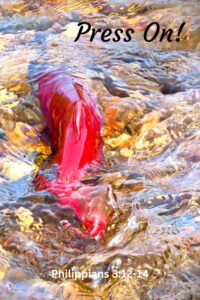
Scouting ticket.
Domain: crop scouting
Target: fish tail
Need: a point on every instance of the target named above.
(92, 206)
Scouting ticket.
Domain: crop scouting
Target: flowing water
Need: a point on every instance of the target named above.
(149, 94)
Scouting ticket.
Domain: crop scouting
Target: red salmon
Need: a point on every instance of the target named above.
(74, 121)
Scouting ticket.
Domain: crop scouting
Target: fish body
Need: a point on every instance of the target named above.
(74, 122)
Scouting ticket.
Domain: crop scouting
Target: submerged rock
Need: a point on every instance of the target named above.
(26, 115)
(15, 275)
(16, 169)
(123, 141)
(151, 143)
(124, 289)
(7, 119)
(4, 262)
(13, 7)
(6, 96)
(27, 137)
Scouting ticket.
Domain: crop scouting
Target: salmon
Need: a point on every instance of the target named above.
(74, 122)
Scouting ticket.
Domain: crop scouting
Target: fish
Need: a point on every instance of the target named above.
(74, 122)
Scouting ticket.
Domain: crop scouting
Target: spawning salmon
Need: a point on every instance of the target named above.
(74, 122)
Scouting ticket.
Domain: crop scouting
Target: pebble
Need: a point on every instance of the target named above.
(26, 115)
(16, 169)
(4, 262)
(5, 95)
(15, 274)
(2, 134)
(24, 218)
(7, 119)
(126, 152)
(26, 137)
(123, 289)
(150, 120)
(123, 141)
(70, 291)
(151, 143)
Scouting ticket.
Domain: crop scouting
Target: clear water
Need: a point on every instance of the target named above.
(149, 94)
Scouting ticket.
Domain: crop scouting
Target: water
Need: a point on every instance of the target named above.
(149, 94)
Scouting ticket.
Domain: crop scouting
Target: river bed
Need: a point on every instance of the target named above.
(149, 94)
